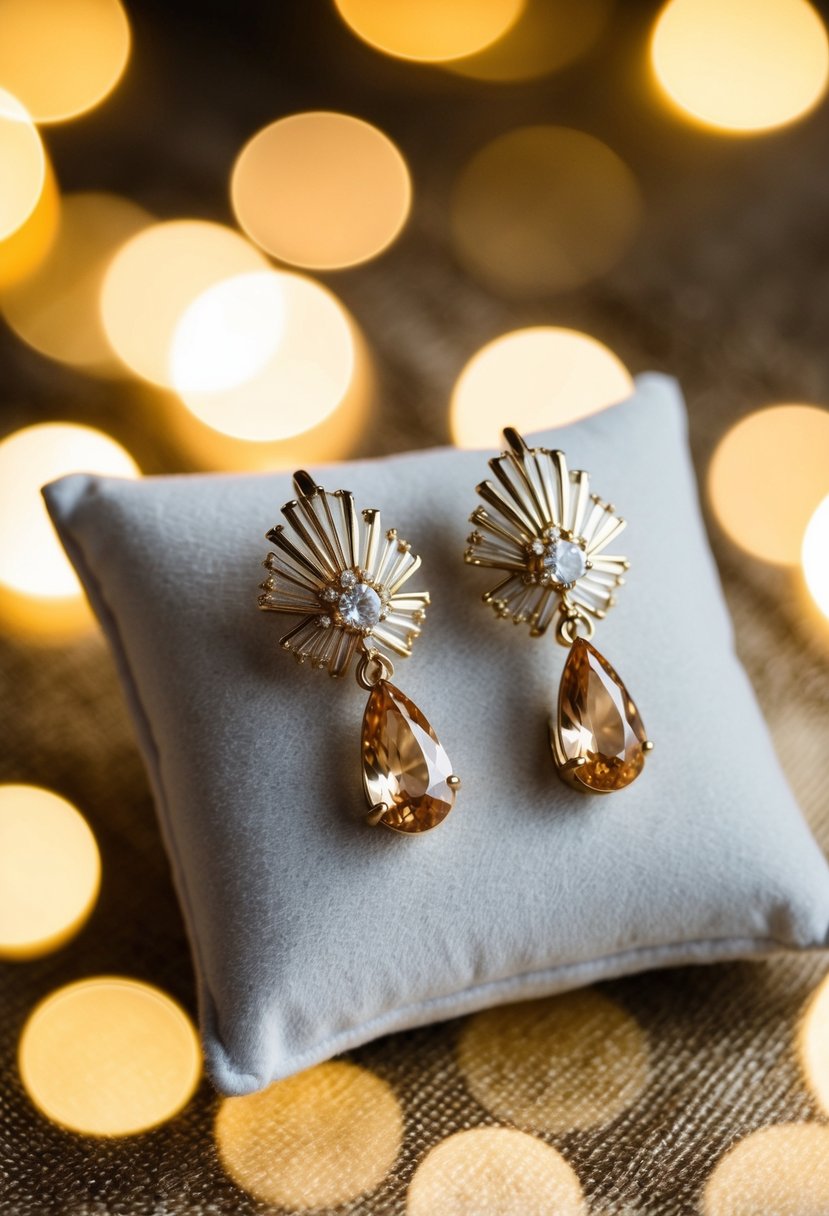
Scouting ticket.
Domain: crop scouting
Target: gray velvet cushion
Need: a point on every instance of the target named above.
(313, 933)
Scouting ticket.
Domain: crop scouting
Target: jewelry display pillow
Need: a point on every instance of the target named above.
(313, 932)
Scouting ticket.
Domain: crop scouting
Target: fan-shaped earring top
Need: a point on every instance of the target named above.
(343, 575)
(548, 534)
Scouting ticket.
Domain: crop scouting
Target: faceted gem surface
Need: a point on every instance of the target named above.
(566, 561)
(360, 606)
(598, 721)
(405, 765)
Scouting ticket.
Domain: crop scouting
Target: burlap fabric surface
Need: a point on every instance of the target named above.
(725, 290)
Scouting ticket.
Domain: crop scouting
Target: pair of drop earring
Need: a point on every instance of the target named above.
(345, 577)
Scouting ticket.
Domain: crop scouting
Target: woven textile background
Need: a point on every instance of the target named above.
(727, 290)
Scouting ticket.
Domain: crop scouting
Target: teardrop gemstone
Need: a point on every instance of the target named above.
(405, 766)
(599, 739)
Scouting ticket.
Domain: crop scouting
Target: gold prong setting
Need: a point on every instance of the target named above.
(374, 816)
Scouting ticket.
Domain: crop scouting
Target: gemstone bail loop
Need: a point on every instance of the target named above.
(567, 626)
(372, 669)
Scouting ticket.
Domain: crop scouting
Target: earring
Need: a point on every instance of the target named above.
(343, 576)
(543, 527)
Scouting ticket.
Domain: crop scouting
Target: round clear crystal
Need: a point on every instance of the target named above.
(360, 606)
(565, 561)
(348, 578)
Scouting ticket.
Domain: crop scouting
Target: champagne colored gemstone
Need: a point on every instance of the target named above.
(404, 763)
(598, 722)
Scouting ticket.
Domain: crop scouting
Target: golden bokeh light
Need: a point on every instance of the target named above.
(315, 1140)
(429, 30)
(813, 1038)
(229, 333)
(547, 36)
(333, 438)
(57, 308)
(32, 561)
(49, 622)
(740, 65)
(783, 1169)
(109, 1056)
(321, 190)
(815, 556)
(549, 376)
(153, 279)
(24, 251)
(768, 475)
(568, 1062)
(494, 1169)
(50, 871)
(278, 347)
(22, 165)
(543, 209)
(62, 57)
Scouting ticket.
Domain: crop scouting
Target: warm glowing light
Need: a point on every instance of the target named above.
(24, 251)
(282, 356)
(816, 570)
(32, 561)
(548, 35)
(814, 1033)
(50, 622)
(741, 65)
(572, 1061)
(229, 333)
(333, 438)
(49, 871)
(154, 278)
(61, 57)
(22, 165)
(494, 1169)
(542, 209)
(57, 309)
(782, 1169)
(109, 1057)
(430, 30)
(316, 1140)
(321, 190)
(549, 377)
(768, 475)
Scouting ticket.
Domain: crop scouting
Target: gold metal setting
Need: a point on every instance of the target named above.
(548, 533)
(343, 576)
(537, 504)
(329, 557)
